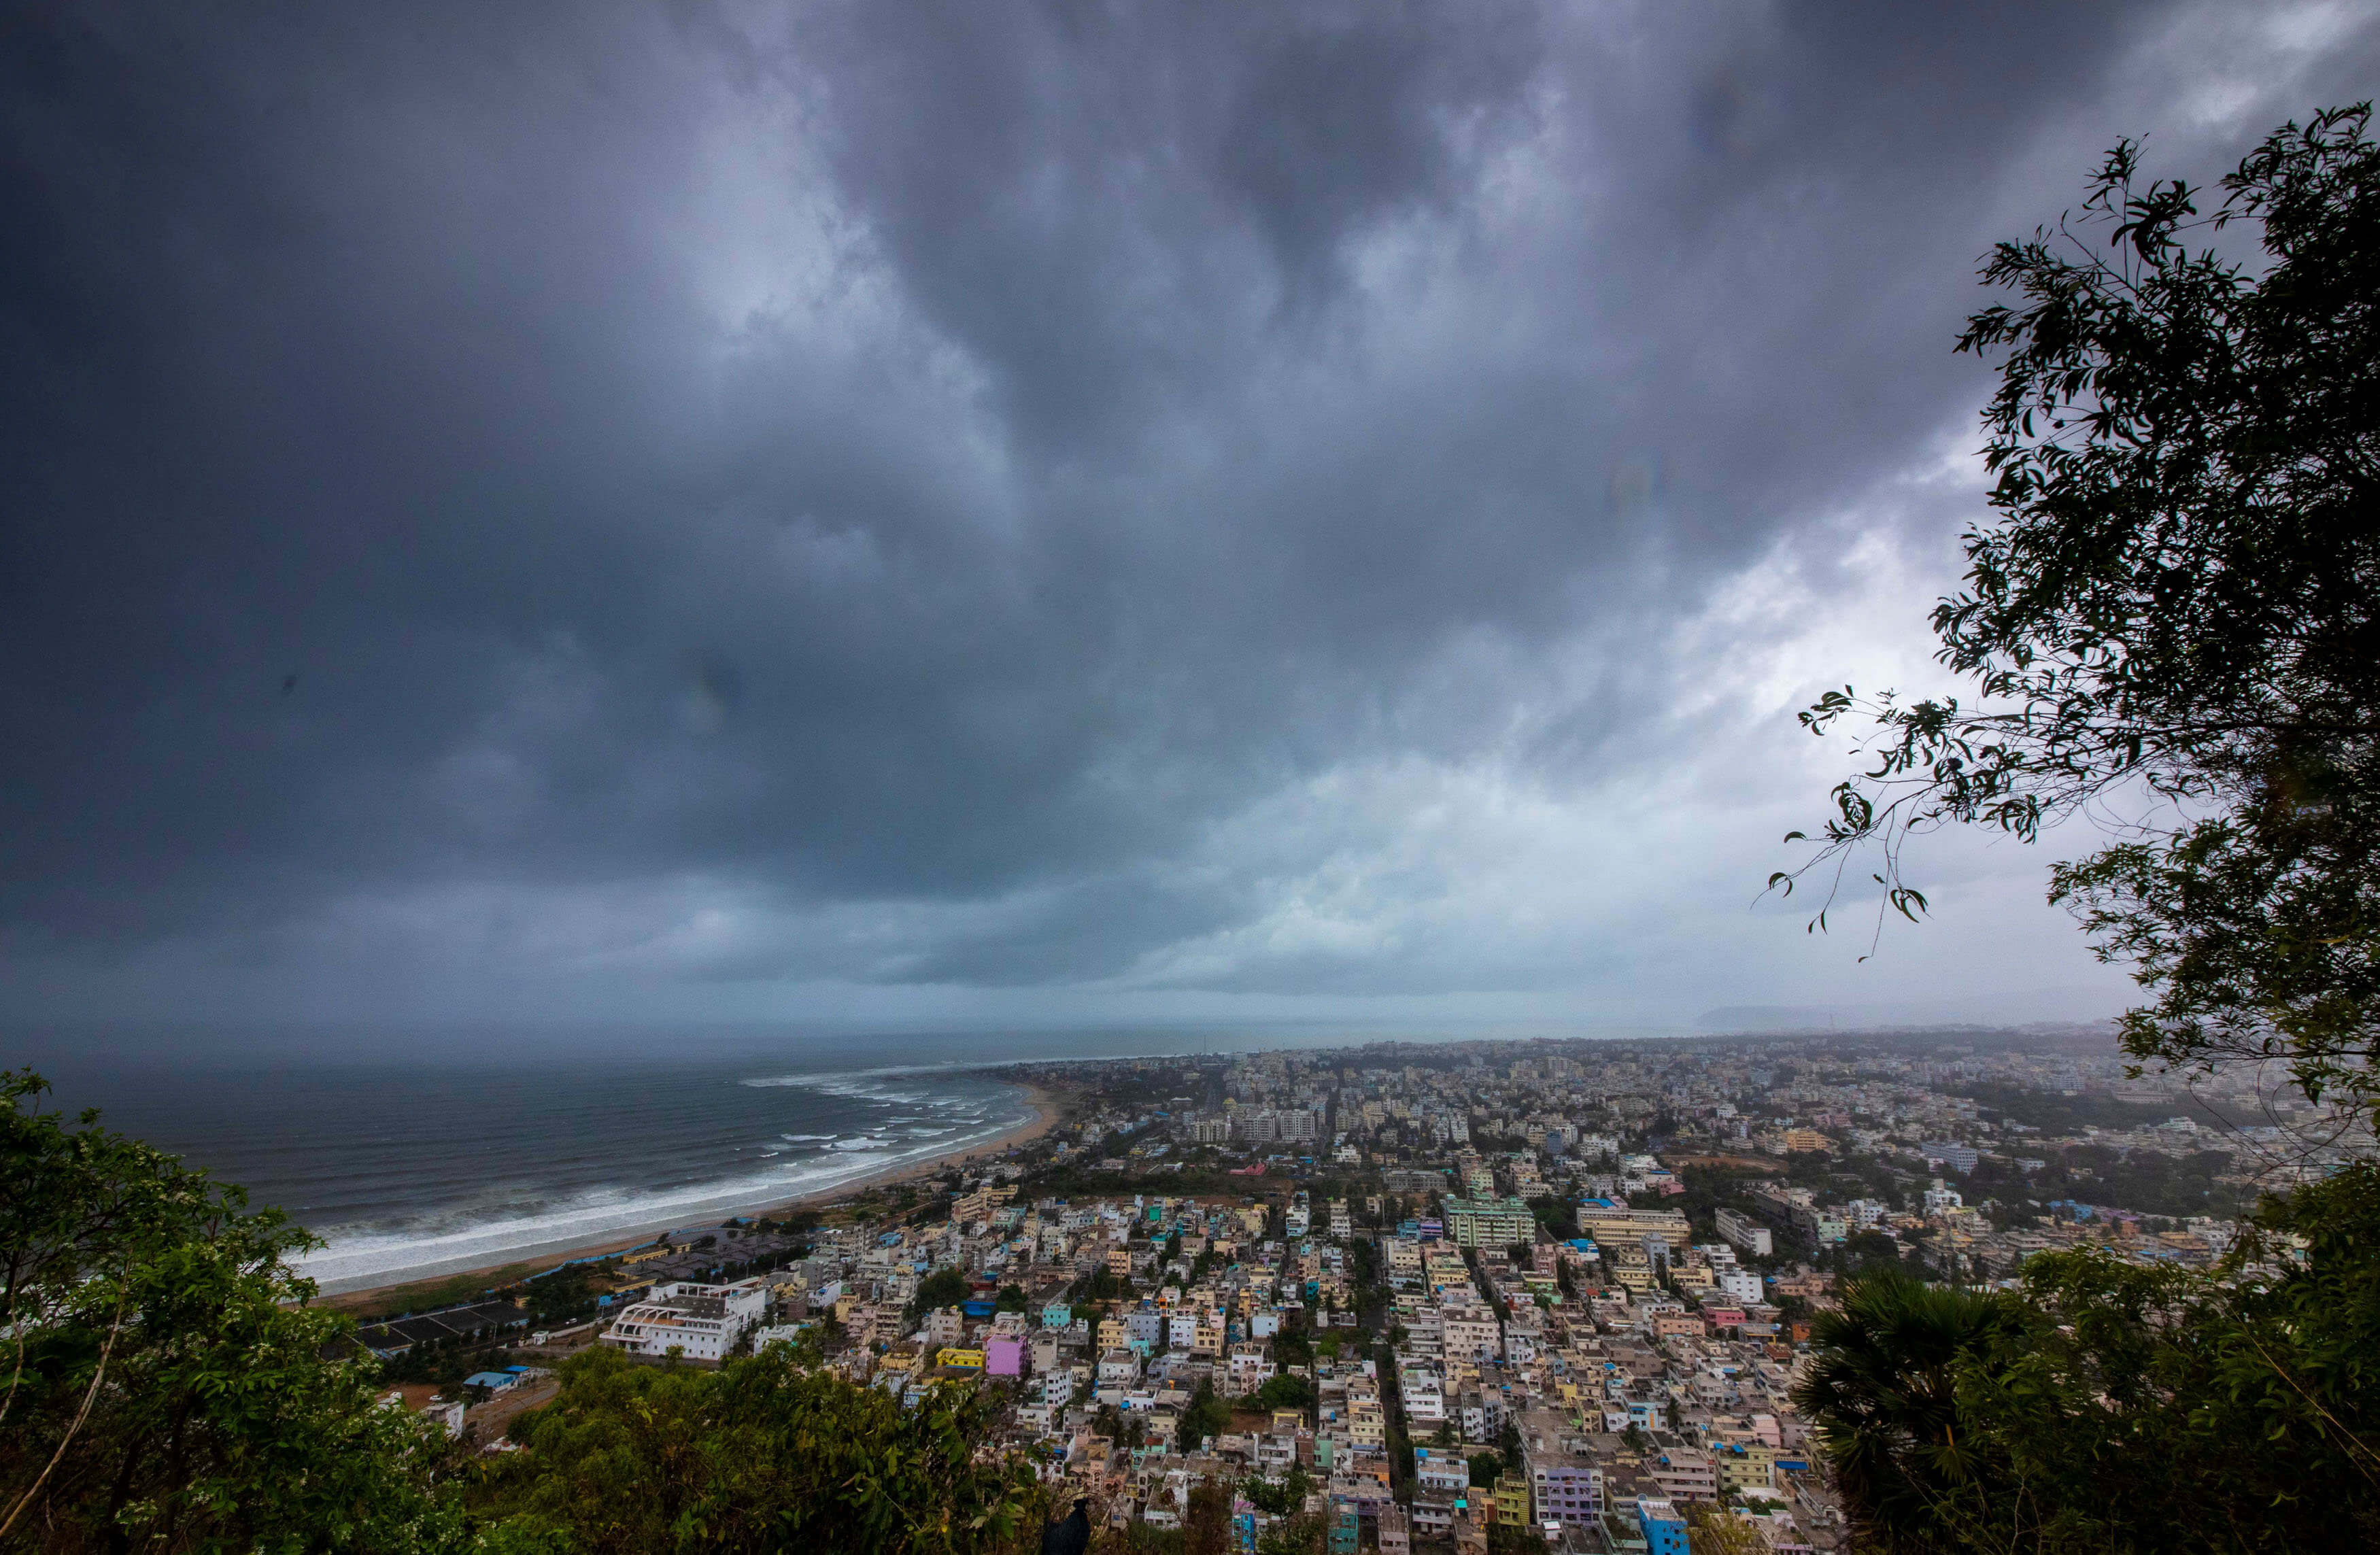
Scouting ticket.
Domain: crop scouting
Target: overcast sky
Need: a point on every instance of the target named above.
(1002, 513)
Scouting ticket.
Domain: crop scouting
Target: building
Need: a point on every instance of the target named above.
(1746, 1235)
(1959, 1158)
(1663, 1530)
(1615, 1223)
(1441, 1468)
(701, 1322)
(1512, 1501)
(1740, 1284)
(1686, 1474)
(1492, 1222)
(1565, 1482)
(1800, 1140)
(1263, 1125)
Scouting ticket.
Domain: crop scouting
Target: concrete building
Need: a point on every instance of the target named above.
(701, 1322)
(1660, 1526)
(1745, 1234)
(1614, 1223)
(1492, 1222)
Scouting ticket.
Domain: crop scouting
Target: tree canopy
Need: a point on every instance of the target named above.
(168, 1384)
(764, 1453)
(2172, 607)
(2108, 1407)
(2171, 612)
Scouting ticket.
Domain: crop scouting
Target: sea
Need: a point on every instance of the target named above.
(413, 1157)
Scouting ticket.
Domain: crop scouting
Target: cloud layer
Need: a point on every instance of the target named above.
(1069, 511)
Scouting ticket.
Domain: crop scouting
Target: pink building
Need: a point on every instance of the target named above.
(1003, 1358)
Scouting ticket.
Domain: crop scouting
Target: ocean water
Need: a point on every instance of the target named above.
(409, 1171)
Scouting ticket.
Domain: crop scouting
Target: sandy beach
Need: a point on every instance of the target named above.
(1047, 1113)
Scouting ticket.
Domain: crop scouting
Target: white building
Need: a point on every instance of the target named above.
(701, 1322)
(1748, 1235)
(1741, 1285)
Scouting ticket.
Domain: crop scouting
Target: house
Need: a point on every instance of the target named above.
(1441, 1468)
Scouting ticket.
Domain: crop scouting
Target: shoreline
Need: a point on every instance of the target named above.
(520, 1262)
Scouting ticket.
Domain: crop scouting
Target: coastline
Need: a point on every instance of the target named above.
(517, 1264)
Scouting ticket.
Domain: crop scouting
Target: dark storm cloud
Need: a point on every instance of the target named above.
(866, 493)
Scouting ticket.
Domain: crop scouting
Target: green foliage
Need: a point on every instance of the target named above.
(944, 1287)
(1485, 1469)
(1279, 1497)
(2176, 598)
(566, 1293)
(167, 1380)
(1283, 1391)
(1011, 1298)
(762, 1454)
(1207, 1415)
(1884, 1393)
(2110, 1407)
(1099, 1285)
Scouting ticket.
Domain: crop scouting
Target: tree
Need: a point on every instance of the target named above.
(1010, 1298)
(1283, 1391)
(1207, 1416)
(1883, 1395)
(1485, 1469)
(944, 1287)
(2174, 604)
(1283, 1497)
(168, 1382)
(762, 1453)
(1205, 1521)
(1714, 1530)
(2109, 1406)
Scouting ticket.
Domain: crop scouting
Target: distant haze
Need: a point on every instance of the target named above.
(1011, 517)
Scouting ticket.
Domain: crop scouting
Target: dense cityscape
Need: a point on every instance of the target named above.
(1418, 1294)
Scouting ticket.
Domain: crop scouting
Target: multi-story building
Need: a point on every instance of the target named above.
(1612, 1222)
(1492, 1222)
(1470, 1334)
(1744, 1233)
(1740, 1284)
(701, 1322)
(1660, 1526)
(1565, 1483)
(1685, 1473)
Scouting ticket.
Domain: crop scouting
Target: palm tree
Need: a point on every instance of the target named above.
(1882, 1393)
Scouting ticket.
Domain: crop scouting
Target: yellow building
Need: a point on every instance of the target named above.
(1747, 1466)
(1513, 1499)
(958, 1356)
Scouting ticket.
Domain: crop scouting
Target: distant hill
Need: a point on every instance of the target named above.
(2062, 1006)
